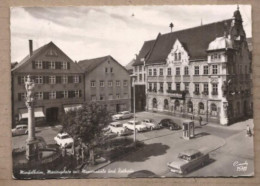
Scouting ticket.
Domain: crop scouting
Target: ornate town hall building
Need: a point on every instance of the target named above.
(202, 71)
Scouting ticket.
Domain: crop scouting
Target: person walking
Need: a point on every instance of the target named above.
(248, 131)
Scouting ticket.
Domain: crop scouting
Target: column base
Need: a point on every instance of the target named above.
(32, 149)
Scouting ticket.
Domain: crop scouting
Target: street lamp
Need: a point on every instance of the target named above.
(133, 76)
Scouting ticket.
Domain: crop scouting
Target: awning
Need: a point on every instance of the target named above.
(72, 107)
(38, 113)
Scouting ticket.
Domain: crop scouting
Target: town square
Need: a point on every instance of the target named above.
(181, 105)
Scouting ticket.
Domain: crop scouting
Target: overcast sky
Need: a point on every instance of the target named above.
(90, 32)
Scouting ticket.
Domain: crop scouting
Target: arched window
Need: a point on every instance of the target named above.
(176, 105)
(166, 104)
(190, 107)
(213, 108)
(201, 108)
(154, 103)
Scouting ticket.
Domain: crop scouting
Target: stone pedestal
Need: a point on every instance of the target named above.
(32, 150)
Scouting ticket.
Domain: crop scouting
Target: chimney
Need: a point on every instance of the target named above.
(31, 47)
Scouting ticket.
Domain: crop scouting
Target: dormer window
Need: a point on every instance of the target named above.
(177, 56)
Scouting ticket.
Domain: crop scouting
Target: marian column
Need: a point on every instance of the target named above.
(31, 142)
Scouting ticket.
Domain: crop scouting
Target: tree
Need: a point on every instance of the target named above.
(86, 124)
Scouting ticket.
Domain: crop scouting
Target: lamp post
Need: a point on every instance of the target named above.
(133, 76)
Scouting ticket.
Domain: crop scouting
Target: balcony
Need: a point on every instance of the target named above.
(196, 93)
(205, 93)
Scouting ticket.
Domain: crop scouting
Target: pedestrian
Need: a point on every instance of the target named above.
(200, 120)
(248, 131)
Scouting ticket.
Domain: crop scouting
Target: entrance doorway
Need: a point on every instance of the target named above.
(117, 107)
(52, 114)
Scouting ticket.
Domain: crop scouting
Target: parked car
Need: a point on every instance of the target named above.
(122, 115)
(150, 124)
(117, 128)
(108, 135)
(63, 140)
(170, 124)
(139, 127)
(20, 130)
(188, 160)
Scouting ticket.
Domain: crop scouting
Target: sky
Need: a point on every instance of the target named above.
(90, 31)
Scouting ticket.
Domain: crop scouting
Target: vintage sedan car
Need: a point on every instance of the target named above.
(20, 130)
(63, 140)
(117, 128)
(139, 127)
(122, 115)
(170, 124)
(150, 124)
(188, 160)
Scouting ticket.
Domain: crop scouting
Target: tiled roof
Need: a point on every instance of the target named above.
(28, 58)
(39, 51)
(90, 64)
(146, 48)
(195, 41)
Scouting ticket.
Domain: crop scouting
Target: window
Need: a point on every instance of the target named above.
(76, 79)
(214, 69)
(169, 71)
(196, 70)
(64, 79)
(154, 103)
(205, 70)
(111, 69)
(155, 87)
(140, 77)
(52, 64)
(110, 83)
(201, 108)
(206, 89)
(154, 72)
(135, 68)
(179, 56)
(64, 65)
(52, 95)
(21, 96)
(190, 107)
(197, 89)
(21, 79)
(169, 86)
(150, 87)
(213, 109)
(125, 83)
(186, 87)
(214, 89)
(110, 96)
(39, 95)
(39, 80)
(186, 70)
(38, 64)
(178, 86)
(77, 95)
(101, 97)
(177, 71)
(106, 70)
(118, 83)
(140, 68)
(166, 104)
(117, 96)
(175, 56)
(52, 79)
(101, 83)
(65, 94)
(150, 72)
(93, 83)
(93, 98)
(161, 72)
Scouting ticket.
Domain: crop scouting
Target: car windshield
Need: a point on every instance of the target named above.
(65, 136)
(117, 125)
(132, 122)
(184, 157)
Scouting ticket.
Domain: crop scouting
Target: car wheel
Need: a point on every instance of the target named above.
(26, 132)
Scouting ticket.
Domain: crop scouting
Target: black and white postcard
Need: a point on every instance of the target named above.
(132, 91)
